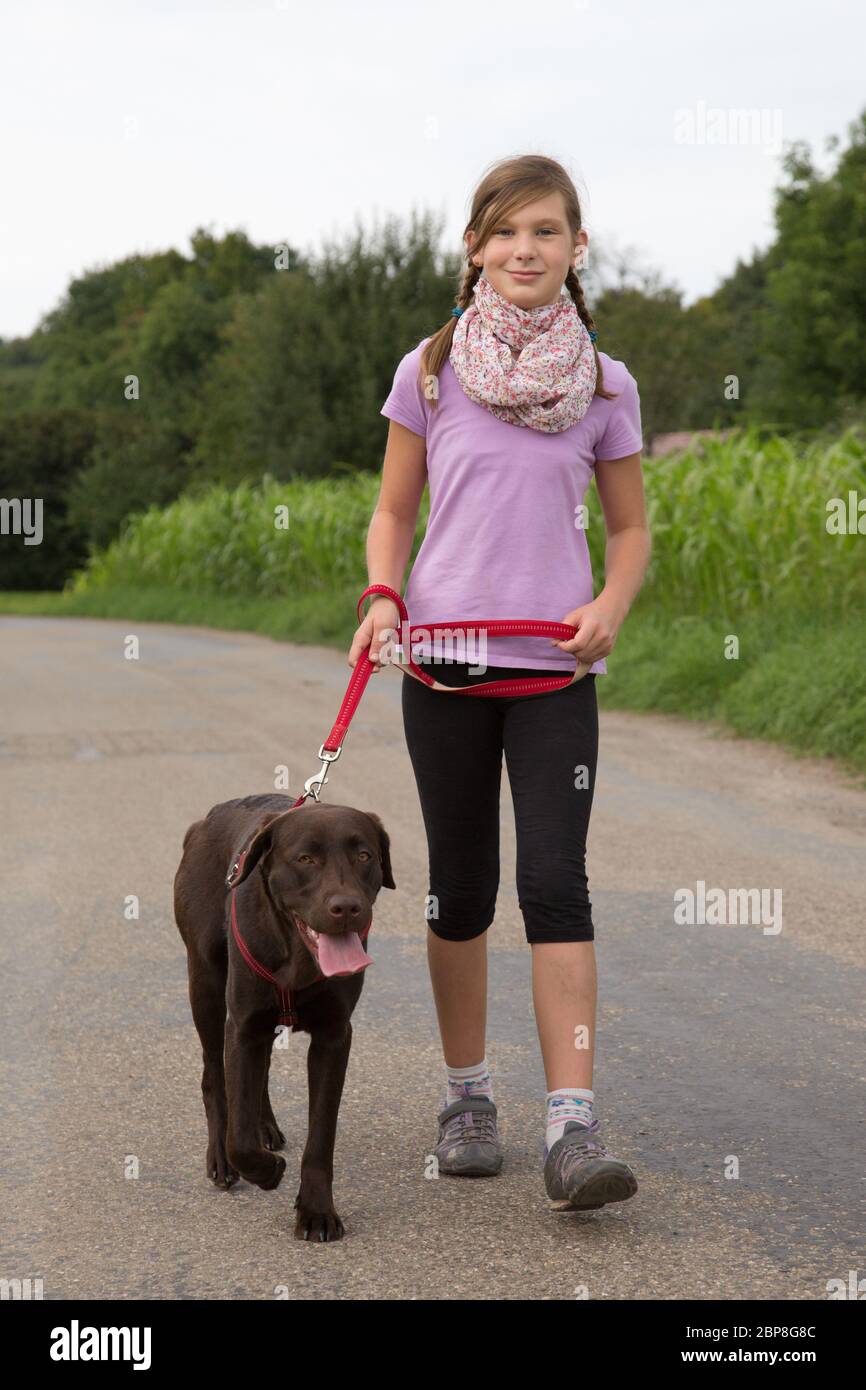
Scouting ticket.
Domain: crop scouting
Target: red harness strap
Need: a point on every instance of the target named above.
(288, 1014)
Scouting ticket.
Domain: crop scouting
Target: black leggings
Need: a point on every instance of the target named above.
(550, 743)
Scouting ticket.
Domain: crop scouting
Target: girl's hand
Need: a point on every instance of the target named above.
(382, 615)
(597, 626)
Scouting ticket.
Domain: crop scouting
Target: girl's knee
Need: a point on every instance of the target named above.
(460, 918)
(558, 916)
(541, 932)
(451, 931)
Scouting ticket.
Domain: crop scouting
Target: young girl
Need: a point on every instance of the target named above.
(507, 410)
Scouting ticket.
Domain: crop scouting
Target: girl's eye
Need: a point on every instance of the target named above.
(504, 231)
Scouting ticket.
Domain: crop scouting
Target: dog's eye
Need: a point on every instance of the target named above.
(365, 854)
(305, 858)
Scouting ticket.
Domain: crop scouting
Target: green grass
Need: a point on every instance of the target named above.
(316, 618)
(740, 546)
(799, 680)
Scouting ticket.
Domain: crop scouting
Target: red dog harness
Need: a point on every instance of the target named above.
(288, 1014)
(331, 749)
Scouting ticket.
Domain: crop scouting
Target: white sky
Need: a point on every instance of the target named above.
(127, 123)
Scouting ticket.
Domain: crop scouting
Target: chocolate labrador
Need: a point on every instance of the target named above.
(305, 880)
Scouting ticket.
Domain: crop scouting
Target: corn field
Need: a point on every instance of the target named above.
(737, 525)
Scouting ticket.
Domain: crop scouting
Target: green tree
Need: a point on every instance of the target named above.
(40, 455)
(811, 361)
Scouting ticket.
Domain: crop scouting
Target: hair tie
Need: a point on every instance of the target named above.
(592, 335)
(456, 313)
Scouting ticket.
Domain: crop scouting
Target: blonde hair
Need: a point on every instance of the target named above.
(509, 185)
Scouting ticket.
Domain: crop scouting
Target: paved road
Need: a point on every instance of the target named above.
(714, 1040)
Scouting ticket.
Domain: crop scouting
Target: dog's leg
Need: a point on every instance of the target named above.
(327, 1059)
(246, 1061)
(207, 997)
(272, 1135)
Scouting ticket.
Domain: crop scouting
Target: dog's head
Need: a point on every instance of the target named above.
(322, 867)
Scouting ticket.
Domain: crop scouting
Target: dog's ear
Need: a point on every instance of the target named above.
(261, 842)
(384, 850)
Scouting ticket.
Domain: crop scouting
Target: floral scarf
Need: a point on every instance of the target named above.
(548, 386)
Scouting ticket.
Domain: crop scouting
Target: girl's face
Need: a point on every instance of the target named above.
(536, 239)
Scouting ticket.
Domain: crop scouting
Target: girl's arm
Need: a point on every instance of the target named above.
(392, 528)
(626, 556)
(628, 549)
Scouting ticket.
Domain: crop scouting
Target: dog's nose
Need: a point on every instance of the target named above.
(344, 909)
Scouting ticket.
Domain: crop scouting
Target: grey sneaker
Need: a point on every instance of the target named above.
(580, 1174)
(468, 1142)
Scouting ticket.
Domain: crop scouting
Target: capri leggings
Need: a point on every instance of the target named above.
(550, 742)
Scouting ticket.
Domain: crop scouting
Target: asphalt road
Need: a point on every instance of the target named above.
(713, 1040)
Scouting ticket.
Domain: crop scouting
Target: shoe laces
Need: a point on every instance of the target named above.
(580, 1145)
(471, 1126)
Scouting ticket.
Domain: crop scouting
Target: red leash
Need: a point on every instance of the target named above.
(331, 749)
(519, 627)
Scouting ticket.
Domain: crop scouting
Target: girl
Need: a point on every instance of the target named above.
(507, 410)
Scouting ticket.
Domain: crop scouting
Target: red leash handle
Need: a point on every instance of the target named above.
(517, 627)
(496, 627)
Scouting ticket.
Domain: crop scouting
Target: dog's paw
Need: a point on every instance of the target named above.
(272, 1135)
(317, 1225)
(272, 1175)
(218, 1168)
(260, 1167)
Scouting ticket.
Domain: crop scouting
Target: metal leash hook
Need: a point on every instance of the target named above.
(314, 784)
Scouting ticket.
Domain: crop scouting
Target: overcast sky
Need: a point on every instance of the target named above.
(128, 123)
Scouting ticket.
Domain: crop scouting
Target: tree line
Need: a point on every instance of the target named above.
(167, 373)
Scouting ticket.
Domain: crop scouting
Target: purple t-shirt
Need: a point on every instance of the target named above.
(504, 537)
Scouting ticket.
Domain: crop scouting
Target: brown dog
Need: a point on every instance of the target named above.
(304, 892)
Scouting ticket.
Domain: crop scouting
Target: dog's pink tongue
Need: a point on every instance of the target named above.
(342, 955)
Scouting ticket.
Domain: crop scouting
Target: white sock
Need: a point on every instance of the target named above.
(567, 1104)
(468, 1081)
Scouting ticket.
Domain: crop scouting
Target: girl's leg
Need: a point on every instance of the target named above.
(458, 974)
(455, 746)
(564, 992)
(551, 751)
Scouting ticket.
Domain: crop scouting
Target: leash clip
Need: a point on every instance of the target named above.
(314, 784)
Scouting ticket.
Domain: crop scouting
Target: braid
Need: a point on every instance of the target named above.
(465, 297)
(439, 347)
(575, 289)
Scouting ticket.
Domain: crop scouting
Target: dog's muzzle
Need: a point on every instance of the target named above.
(335, 954)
